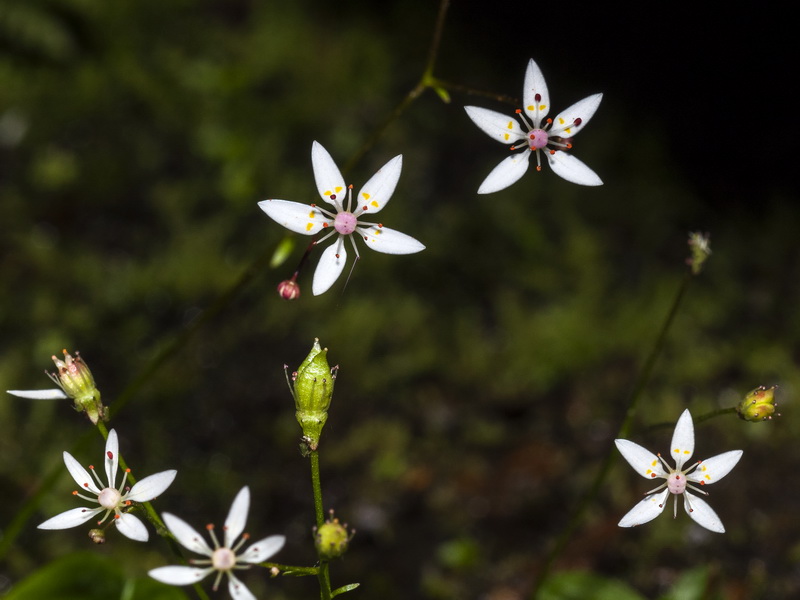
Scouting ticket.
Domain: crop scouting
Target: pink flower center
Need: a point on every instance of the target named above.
(345, 223)
(537, 138)
(676, 483)
(223, 559)
(109, 498)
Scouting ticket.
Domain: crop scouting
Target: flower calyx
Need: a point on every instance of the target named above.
(312, 388)
(332, 538)
(758, 405)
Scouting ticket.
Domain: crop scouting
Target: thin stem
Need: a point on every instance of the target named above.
(323, 575)
(731, 410)
(644, 377)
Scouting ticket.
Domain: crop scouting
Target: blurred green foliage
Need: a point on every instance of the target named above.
(481, 381)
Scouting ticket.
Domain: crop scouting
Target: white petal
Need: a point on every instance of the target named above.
(263, 549)
(237, 516)
(682, 446)
(81, 476)
(151, 486)
(564, 123)
(186, 535)
(178, 575)
(376, 192)
(535, 84)
(715, 468)
(111, 458)
(644, 462)
(497, 125)
(132, 528)
(509, 171)
(70, 518)
(701, 513)
(297, 217)
(389, 241)
(646, 510)
(570, 168)
(237, 589)
(38, 394)
(329, 268)
(330, 183)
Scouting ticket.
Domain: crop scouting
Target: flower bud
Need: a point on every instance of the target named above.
(289, 289)
(758, 405)
(75, 378)
(312, 391)
(98, 536)
(701, 250)
(332, 539)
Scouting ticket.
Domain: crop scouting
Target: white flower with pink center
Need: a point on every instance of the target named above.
(345, 220)
(537, 135)
(110, 498)
(222, 558)
(680, 481)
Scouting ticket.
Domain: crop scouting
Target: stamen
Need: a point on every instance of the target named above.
(210, 528)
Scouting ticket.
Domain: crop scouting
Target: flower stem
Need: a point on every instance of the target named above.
(644, 377)
(323, 574)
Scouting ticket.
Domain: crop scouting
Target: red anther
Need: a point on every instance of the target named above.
(324, 225)
(380, 225)
(74, 492)
(91, 467)
(127, 470)
(313, 206)
(210, 526)
(365, 207)
(677, 477)
(537, 97)
(115, 516)
(518, 111)
(552, 152)
(538, 168)
(578, 121)
(110, 455)
(246, 536)
(333, 196)
(86, 485)
(513, 148)
(550, 121)
(569, 146)
(337, 256)
(652, 474)
(350, 187)
(128, 502)
(691, 510)
(702, 483)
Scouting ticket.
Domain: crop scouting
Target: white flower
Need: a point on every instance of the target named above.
(110, 498)
(554, 136)
(310, 220)
(222, 559)
(678, 480)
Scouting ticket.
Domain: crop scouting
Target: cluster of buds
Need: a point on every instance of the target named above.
(758, 405)
(332, 538)
(75, 381)
(312, 389)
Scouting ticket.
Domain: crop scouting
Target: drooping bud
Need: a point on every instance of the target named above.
(758, 405)
(289, 289)
(332, 538)
(312, 391)
(75, 378)
(701, 250)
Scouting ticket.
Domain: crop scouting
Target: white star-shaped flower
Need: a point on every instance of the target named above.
(310, 220)
(680, 480)
(222, 558)
(110, 498)
(553, 136)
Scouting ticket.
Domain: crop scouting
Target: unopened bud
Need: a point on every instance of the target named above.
(312, 391)
(332, 539)
(74, 377)
(758, 405)
(98, 536)
(289, 289)
(701, 250)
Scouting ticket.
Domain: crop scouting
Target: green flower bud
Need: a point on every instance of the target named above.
(75, 378)
(332, 539)
(758, 405)
(312, 391)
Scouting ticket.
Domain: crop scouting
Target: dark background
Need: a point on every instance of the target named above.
(483, 381)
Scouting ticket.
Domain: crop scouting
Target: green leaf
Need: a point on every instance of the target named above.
(87, 576)
(578, 585)
(344, 588)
